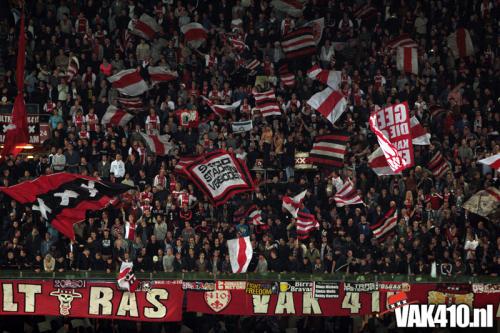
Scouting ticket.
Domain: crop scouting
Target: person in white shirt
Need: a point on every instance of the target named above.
(327, 53)
(118, 168)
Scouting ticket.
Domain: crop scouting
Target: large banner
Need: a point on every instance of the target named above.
(392, 126)
(38, 132)
(154, 301)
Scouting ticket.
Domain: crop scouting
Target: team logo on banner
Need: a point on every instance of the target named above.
(218, 300)
(65, 298)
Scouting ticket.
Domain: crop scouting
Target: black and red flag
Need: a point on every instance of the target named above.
(63, 199)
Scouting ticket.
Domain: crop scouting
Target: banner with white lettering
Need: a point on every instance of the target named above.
(220, 175)
(153, 301)
(391, 125)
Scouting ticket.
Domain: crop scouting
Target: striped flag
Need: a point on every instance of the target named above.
(145, 27)
(194, 34)
(253, 213)
(131, 103)
(291, 7)
(267, 104)
(73, 68)
(158, 144)
(402, 41)
(115, 117)
(330, 103)
(256, 217)
(182, 163)
(292, 204)
(460, 43)
(347, 195)
(240, 253)
(210, 61)
(364, 12)
(385, 224)
(325, 76)
(438, 165)
(252, 66)
(129, 82)
(305, 224)
(242, 126)
(419, 135)
(378, 163)
(407, 60)
(492, 161)
(159, 74)
(437, 111)
(299, 43)
(129, 231)
(287, 77)
(329, 149)
(237, 43)
(221, 110)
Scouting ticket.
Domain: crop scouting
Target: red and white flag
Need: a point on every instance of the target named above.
(256, 217)
(460, 43)
(115, 117)
(348, 195)
(407, 60)
(158, 74)
(194, 34)
(305, 223)
(267, 103)
(129, 231)
(291, 7)
(126, 277)
(158, 144)
(299, 43)
(210, 61)
(182, 163)
(129, 82)
(131, 103)
(385, 224)
(318, 26)
(292, 204)
(391, 125)
(330, 103)
(252, 66)
(492, 161)
(145, 27)
(325, 76)
(237, 43)
(188, 118)
(240, 253)
(219, 109)
(402, 41)
(73, 68)
(419, 135)
(438, 165)
(379, 165)
(287, 77)
(364, 12)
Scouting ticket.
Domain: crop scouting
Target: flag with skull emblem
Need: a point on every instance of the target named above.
(126, 278)
(63, 199)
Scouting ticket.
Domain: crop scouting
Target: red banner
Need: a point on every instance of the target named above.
(330, 298)
(155, 300)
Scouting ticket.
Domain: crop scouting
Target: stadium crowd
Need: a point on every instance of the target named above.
(178, 230)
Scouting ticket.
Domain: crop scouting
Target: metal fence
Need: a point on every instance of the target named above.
(271, 276)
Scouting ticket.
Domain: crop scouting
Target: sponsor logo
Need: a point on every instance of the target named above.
(230, 285)
(218, 300)
(394, 286)
(296, 286)
(258, 288)
(65, 298)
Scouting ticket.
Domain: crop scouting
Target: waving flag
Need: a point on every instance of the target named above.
(407, 60)
(194, 34)
(220, 176)
(318, 26)
(131, 103)
(182, 163)
(129, 231)
(348, 195)
(292, 204)
(188, 118)
(240, 253)
(299, 43)
(145, 27)
(17, 131)
(330, 103)
(460, 43)
(161, 74)
(220, 109)
(116, 117)
(328, 77)
(126, 277)
(305, 223)
(287, 77)
(329, 149)
(402, 41)
(419, 135)
(291, 7)
(252, 212)
(379, 165)
(158, 144)
(385, 224)
(73, 68)
(365, 12)
(492, 161)
(438, 165)
(129, 82)
(267, 103)
(242, 126)
(63, 199)
(252, 66)
(485, 203)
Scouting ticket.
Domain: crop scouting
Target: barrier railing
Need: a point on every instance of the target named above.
(270, 276)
